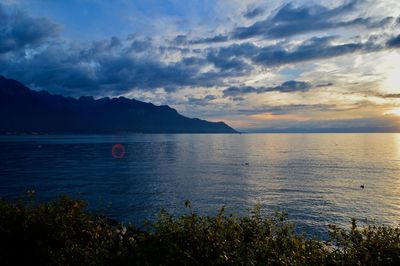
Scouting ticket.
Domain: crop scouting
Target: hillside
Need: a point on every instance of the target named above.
(27, 111)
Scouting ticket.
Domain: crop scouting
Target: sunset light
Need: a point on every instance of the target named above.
(199, 132)
(394, 112)
(392, 76)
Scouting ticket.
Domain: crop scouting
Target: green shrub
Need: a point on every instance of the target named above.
(61, 232)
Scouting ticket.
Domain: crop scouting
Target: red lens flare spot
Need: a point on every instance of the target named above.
(118, 151)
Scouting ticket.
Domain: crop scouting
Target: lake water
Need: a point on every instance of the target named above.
(316, 178)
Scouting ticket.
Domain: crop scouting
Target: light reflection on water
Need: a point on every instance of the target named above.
(316, 178)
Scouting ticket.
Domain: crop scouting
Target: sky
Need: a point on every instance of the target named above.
(260, 66)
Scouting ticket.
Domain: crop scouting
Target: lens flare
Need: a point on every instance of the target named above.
(118, 151)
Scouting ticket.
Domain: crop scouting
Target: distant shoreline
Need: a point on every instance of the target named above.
(194, 133)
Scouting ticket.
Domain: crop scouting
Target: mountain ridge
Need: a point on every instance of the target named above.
(23, 110)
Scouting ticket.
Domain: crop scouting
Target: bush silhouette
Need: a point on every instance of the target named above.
(61, 232)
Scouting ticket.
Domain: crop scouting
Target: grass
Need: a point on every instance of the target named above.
(62, 232)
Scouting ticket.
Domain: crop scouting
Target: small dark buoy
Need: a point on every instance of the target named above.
(362, 186)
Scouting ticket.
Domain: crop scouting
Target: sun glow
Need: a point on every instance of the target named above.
(392, 81)
(271, 116)
(394, 112)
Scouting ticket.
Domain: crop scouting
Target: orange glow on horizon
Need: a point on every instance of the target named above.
(271, 116)
(394, 112)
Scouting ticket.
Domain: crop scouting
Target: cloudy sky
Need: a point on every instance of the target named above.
(261, 66)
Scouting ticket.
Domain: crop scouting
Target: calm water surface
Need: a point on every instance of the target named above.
(316, 178)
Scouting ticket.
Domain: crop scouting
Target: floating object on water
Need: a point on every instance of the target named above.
(362, 186)
(246, 163)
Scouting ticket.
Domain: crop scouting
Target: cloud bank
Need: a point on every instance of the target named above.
(277, 55)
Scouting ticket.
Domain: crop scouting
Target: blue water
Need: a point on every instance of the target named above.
(316, 178)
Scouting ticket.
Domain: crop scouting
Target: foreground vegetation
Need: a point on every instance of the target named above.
(61, 232)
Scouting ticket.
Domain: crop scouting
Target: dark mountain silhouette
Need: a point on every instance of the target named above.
(26, 111)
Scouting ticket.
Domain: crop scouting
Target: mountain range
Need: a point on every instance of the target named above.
(26, 111)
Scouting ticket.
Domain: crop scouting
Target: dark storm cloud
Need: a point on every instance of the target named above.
(185, 40)
(393, 42)
(315, 48)
(201, 101)
(232, 63)
(311, 49)
(116, 66)
(275, 55)
(288, 86)
(291, 20)
(235, 50)
(235, 91)
(99, 47)
(19, 30)
(253, 12)
(180, 40)
(141, 45)
(170, 89)
(292, 86)
(111, 66)
(216, 39)
(105, 67)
